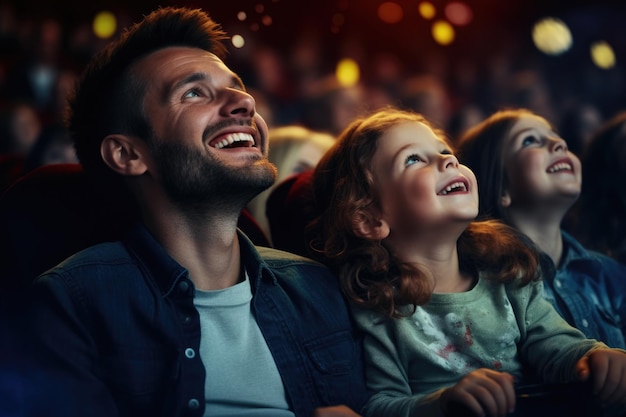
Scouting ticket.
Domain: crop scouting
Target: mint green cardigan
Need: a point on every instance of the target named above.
(506, 327)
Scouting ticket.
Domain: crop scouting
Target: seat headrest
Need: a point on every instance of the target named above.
(54, 211)
(290, 208)
(49, 214)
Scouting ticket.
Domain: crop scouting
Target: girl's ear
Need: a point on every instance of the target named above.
(368, 226)
(505, 200)
(124, 154)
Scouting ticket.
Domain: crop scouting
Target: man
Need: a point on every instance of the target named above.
(184, 317)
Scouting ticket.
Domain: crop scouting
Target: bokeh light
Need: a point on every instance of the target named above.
(241, 16)
(348, 72)
(552, 36)
(602, 55)
(443, 32)
(427, 10)
(238, 41)
(459, 13)
(104, 25)
(390, 12)
(267, 20)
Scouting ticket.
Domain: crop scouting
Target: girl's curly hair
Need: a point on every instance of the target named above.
(370, 275)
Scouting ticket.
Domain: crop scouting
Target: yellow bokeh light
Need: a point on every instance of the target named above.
(238, 41)
(427, 10)
(348, 72)
(390, 12)
(552, 36)
(104, 25)
(443, 32)
(602, 55)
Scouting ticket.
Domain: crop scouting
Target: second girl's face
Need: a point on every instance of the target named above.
(420, 182)
(538, 165)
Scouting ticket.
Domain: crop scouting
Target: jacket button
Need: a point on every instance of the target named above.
(190, 353)
(193, 404)
(183, 287)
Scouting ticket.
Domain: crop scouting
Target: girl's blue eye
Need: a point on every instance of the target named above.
(529, 140)
(412, 159)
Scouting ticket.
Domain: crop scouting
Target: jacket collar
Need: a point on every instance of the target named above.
(156, 263)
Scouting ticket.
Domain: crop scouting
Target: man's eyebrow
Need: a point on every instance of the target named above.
(191, 78)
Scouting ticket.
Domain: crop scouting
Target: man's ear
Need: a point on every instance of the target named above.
(124, 154)
(370, 226)
(505, 199)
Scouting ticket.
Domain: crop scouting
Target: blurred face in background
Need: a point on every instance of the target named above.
(26, 128)
(539, 167)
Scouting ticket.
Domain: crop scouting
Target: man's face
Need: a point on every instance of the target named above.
(209, 145)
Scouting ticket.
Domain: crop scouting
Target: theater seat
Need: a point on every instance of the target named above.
(12, 167)
(52, 212)
(289, 208)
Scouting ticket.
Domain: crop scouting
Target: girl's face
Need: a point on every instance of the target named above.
(420, 183)
(538, 166)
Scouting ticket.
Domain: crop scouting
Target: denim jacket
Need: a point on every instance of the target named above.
(119, 333)
(589, 290)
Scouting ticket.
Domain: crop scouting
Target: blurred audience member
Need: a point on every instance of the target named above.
(331, 107)
(577, 124)
(600, 215)
(35, 75)
(293, 149)
(463, 118)
(55, 146)
(528, 178)
(528, 88)
(427, 95)
(20, 127)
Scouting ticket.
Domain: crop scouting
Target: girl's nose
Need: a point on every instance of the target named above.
(558, 144)
(449, 161)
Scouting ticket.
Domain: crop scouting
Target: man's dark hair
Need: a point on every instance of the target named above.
(108, 97)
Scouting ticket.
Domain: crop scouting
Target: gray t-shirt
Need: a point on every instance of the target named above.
(241, 376)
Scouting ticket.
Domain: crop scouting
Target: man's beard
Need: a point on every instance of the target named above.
(196, 180)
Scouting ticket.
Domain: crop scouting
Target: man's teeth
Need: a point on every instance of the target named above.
(456, 186)
(560, 167)
(232, 138)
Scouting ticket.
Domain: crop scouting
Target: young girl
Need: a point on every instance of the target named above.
(452, 309)
(530, 179)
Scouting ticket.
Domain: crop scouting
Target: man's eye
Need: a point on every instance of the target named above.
(412, 159)
(191, 94)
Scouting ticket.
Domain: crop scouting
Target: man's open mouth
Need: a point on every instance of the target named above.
(234, 140)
